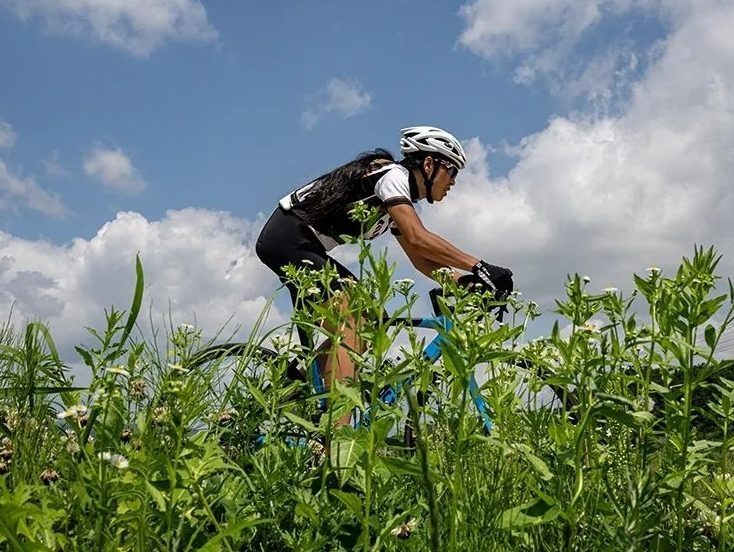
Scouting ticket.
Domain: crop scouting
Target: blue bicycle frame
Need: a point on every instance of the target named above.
(431, 353)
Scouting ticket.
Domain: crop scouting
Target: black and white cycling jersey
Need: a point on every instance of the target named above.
(388, 185)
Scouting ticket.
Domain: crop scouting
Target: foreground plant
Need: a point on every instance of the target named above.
(632, 453)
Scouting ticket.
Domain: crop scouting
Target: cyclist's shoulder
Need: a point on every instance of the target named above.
(389, 170)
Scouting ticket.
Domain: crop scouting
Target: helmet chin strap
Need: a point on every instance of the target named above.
(428, 182)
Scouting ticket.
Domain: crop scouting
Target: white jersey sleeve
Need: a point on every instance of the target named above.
(394, 188)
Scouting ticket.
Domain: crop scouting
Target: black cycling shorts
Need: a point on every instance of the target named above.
(286, 239)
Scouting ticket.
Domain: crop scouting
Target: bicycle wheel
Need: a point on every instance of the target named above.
(252, 388)
(228, 362)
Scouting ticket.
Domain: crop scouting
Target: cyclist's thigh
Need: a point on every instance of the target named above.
(286, 239)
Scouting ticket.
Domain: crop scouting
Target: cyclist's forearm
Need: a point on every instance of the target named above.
(428, 267)
(436, 249)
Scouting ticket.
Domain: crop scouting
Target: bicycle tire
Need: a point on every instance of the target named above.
(228, 357)
(222, 350)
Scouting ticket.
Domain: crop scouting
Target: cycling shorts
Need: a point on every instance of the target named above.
(286, 239)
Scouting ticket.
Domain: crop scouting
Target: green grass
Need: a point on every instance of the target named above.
(154, 455)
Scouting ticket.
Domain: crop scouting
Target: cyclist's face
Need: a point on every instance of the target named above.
(443, 179)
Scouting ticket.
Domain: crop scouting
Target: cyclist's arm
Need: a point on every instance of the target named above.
(419, 243)
(423, 265)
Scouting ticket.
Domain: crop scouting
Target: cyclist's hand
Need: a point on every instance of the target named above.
(496, 278)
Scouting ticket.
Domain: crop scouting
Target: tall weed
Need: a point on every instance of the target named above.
(164, 452)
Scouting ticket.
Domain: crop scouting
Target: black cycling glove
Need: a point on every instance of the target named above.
(496, 278)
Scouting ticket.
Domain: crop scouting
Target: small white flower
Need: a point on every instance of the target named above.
(403, 286)
(98, 396)
(586, 279)
(186, 328)
(119, 370)
(115, 460)
(404, 530)
(318, 453)
(72, 445)
(445, 271)
(653, 269)
(279, 341)
(313, 291)
(610, 290)
(73, 411)
(516, 293)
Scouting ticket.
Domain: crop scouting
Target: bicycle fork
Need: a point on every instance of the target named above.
(432, 352)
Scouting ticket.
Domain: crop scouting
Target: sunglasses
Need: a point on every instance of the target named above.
(451, 169)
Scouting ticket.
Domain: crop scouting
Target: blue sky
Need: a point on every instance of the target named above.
(218, 124)
(599, 133)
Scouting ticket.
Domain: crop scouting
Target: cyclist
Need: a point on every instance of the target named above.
(309, 222)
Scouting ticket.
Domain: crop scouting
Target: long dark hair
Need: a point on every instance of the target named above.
(332, 191)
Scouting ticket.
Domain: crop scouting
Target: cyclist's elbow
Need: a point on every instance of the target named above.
(419, 240)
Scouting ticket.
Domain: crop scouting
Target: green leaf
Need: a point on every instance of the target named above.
(659, 388)
(347, 448)
(350, 500)
(86, 356)
(43, 330)
(11, 354)
(630, 419)
(350, 392)
(538, 465)
(381, 427)
(256, 393)
(157, 496)
(674, 480)
(710, 335)
(536, 512)
(305, 510)
(453, 361)
(232, 532)
(137, 301)
(402, 466)
(43, 390)
(305, 424)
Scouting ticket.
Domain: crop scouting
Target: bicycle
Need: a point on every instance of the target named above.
(296, 374)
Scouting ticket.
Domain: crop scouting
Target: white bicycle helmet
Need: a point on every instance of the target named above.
(432, 140)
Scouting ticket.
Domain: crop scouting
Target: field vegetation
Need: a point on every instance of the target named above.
(159, 453)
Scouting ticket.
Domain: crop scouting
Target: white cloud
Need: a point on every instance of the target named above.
(114, 169)
(544, 36)
(498, 28)
(16, 189)
(608, 196)
(201, 264)
(345, 98)
(135, 26)
(7, 135)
